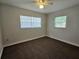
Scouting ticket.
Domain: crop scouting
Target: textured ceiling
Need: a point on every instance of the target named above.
(57, 5)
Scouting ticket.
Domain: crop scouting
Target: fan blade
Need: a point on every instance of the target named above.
(51, 3)
(31, 2)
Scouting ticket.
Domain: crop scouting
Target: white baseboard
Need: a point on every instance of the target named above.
(39, 37)
(1, 53)
(22, 41)
(74, 44)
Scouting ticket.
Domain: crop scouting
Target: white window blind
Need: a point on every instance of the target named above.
(30, 22)
(60, 22)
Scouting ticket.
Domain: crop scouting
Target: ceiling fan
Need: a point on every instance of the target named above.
(43, 3)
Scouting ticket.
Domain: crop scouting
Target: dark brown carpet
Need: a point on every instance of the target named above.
(42, 48)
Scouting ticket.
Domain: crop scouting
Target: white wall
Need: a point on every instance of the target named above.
(1, 47)
(69, 34)
(12, 33)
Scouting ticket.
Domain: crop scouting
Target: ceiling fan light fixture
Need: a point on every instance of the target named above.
(41, 6)
(42, 3)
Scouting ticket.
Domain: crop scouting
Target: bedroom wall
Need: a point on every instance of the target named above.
(69, 34)
(12, 33)
(1, 47)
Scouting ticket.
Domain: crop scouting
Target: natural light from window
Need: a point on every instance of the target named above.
(60, 22)
(30, 22)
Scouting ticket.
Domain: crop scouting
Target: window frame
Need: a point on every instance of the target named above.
(31, 23)
(61, 26)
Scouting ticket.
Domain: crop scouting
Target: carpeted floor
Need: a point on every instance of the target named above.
(42, 48)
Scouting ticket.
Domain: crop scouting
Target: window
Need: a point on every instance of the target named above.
(30, 22)
(60, 22)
